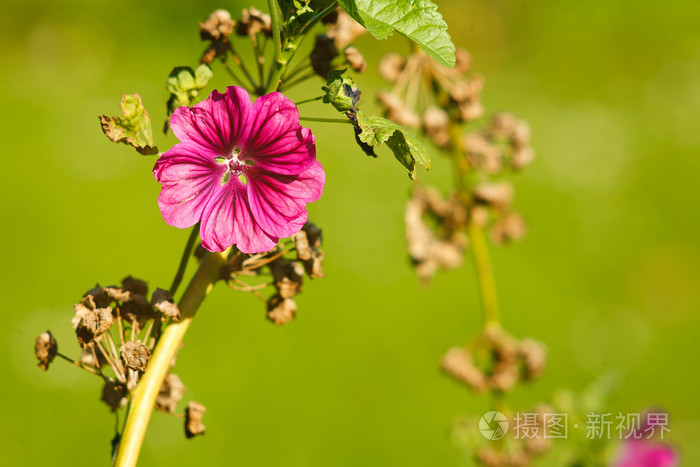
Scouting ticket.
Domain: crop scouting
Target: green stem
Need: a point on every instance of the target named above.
(484, 272)
(272, 6)
(280, 63)
(241, 65)
(184, 260)
(233, 76)
(327, 120)
(143, 397)
(321, 14)
(301, 79)
(305, 101)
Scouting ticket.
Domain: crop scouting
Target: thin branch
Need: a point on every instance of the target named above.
(184, 259)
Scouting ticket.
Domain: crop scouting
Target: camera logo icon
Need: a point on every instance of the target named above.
(493, 425)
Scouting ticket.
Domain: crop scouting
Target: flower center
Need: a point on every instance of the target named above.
(235, 165)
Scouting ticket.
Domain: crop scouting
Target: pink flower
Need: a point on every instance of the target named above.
(646, 453)
(245, 171)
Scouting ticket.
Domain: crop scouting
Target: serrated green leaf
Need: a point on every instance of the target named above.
(418, 20)
(133, 127)
(408, 150)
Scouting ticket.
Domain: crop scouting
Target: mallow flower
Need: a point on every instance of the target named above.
(244, 170)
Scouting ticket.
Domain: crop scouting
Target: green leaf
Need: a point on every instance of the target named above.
(375, 131)
(418, 20)
(133, 128)
(341, 91)
(184, 85)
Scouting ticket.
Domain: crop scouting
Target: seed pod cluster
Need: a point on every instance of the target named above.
(495, 361)
(287, 264)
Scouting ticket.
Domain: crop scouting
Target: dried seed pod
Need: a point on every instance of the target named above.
(93, 324)
(390, 102)
(344, 30)
(391, 66)
(463, 61)
(281, 310)
(435, 125)
(506, 125)
(288, 277)
(301, 242)
(114, 395)
(193, 419)
(137, 311)
(45, 349)
(458, 362)
(314, 265)
(463, 91)
(163, 302)
(323, 54)
(496, 194)
(534, 357)
(355, 59)
(489, 457)
(135, 355)
(98, 297)
(511, 227)
(135, 286)
(314, 234)
(216, 30)
(252, 22)
(431, 250)
(522, 157)
(480, 215)
(482, 154)
(171, 392)
(218, 26)
(517, 458)
(117, 294)
(504, 376)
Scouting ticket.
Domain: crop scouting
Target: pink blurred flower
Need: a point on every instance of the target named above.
(245, 171)
(646, 453)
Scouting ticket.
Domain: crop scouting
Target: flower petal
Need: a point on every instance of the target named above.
(278, 202)
(277, 142)
(227, 220)
(219, 123)
(189, 174)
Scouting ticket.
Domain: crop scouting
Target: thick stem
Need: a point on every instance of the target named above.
(272, 6)
(484, 272)
(144, 395)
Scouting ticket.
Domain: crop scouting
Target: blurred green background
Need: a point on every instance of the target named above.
(609, 276)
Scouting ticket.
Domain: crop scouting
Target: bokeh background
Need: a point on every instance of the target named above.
(609, 276)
